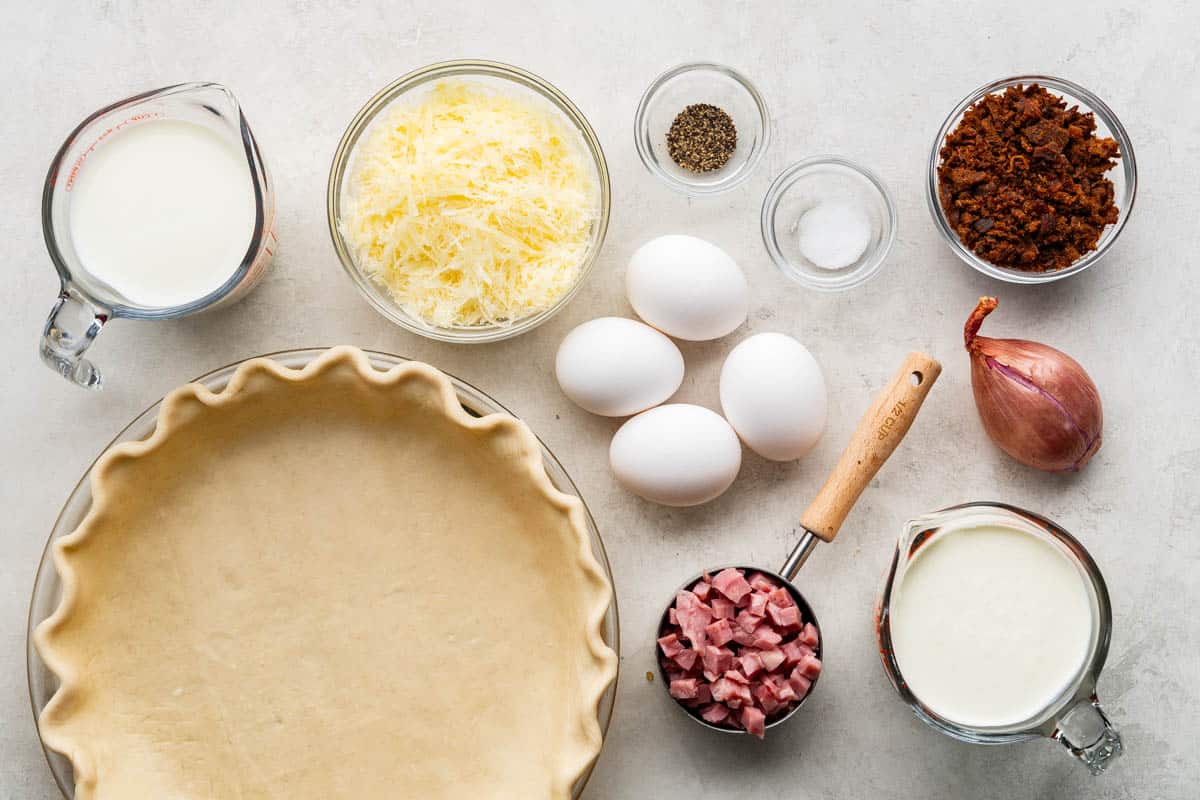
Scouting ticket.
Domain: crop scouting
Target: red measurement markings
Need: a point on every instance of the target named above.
(107, 132)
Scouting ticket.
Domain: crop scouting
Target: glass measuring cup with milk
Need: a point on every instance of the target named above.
(155, 207)
(993, 624)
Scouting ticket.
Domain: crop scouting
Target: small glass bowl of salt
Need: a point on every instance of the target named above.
(828, 223)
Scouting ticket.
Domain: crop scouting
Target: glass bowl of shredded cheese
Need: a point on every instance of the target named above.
(468, 200)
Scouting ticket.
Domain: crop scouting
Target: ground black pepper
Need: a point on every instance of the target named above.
(702, 138)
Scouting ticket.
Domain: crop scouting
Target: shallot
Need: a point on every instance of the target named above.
(1037, 403)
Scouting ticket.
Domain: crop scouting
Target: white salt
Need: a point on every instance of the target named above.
(833, 235)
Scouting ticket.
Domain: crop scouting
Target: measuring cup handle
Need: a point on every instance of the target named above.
(1085, 731)
(878, 433)
(73, 325)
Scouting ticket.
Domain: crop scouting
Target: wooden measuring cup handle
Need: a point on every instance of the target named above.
(878, 433)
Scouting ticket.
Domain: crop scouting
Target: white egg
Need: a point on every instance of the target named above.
(677, 455)
(687, 288)
(616, 367)
(774, 396)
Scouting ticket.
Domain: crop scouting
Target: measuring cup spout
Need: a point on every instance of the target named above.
(73, 325)
(1085, 731)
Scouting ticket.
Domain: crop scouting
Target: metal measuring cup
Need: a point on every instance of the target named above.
(85, 303)
(878, 433)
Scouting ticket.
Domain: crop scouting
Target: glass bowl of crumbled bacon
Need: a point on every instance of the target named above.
(1031, 179)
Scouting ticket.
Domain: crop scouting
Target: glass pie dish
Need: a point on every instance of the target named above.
(490, 74)
(47, 587)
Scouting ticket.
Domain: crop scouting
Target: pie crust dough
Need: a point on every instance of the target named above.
(327, 583)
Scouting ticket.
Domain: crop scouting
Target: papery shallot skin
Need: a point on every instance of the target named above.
(1036, 403)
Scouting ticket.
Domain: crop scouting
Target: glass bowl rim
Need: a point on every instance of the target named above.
(770, 205)
(687, 187)
(46, 574)
(361, 122)
(1072, 93)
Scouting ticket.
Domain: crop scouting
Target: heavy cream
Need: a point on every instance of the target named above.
(163, 212)
(990, 624)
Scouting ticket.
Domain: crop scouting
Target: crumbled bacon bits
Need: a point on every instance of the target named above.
(1022, 180)
(737, 651)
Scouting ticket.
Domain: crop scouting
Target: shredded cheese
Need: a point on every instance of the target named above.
(471, 206)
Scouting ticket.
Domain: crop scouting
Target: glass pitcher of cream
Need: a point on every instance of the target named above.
(155, 207)
(993, 624)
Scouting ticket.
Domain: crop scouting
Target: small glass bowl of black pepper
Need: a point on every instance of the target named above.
(701, 128)
(1123, 177)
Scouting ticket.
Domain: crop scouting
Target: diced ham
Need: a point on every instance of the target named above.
(809, 667)
(723, 689)
(786, 618)
(793, 651)
(751, 663)
(751, 656)
(766, 697)
(754, 721)
(748, 622)
(693, 621)
(781, 597)
(743, 637)
(765, 637)
(703, 696)
(799, 683)
(731, 583)
(771, 659)
(760, 582)
(758, 604)
(717, 659)
(686, 659)
(722, 608)
(670, 645)
(720, 632)
(737, 677)
(731, 692)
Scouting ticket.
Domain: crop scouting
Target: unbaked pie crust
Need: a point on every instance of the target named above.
(327, 583)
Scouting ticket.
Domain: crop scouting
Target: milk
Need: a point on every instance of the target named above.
(163, 212)
(990, 624)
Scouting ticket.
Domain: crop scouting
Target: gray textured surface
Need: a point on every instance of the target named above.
(872, 87)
